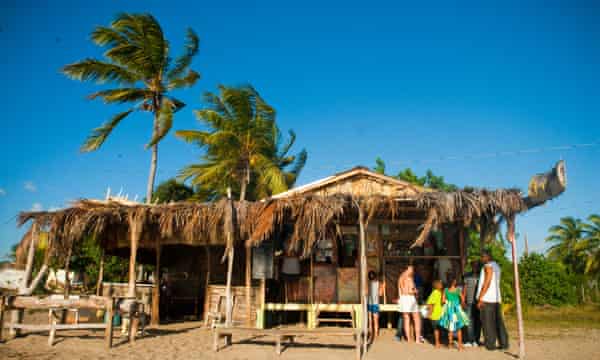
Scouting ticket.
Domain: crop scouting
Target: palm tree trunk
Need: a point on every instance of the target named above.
(245, 182)
(153, 161)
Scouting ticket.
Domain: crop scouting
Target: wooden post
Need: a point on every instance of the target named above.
(108, 332)
(207, 283)
(248, 286)
(363, 276)
(155, 317)
(512, 240)
(229, 250)
(136, 222)
(311, 282)
(67, 289)
(132, 260)
(100, 275)
(461, 244)
(1, 316)
(17, 315)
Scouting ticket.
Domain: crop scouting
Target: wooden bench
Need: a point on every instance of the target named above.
(282, 335)
(9, 303)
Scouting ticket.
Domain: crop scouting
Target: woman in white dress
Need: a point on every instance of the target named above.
(407, 301)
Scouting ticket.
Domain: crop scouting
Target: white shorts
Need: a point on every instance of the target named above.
(408, 304)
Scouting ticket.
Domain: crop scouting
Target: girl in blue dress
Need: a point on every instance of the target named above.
(453, 317)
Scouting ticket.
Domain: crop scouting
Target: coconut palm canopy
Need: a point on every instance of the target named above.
(311, 217)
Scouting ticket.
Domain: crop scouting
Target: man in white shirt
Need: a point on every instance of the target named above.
(489, 302)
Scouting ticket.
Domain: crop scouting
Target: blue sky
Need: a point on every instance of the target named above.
(460, 88)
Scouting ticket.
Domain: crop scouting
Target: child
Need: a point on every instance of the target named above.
(453, 316)
(434, 301)
(375, 291)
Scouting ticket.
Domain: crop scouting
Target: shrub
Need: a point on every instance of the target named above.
(545, 282)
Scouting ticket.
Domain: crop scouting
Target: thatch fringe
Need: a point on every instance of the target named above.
(313, 218)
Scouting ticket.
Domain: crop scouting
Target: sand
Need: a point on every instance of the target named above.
(191, 341)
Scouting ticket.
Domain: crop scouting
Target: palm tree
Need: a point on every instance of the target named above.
(280, 157)
(244, 149)
(590, 245)
(566, 239)
(137, 59)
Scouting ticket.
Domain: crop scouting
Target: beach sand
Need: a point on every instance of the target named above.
(191, 340)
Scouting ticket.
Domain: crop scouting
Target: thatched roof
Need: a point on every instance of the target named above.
(312, 217)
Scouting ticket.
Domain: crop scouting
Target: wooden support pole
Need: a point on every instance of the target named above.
(363, 276)
(512, 240)
(135, 230)
(100, 275)
(67, 289)
(311, 280)
(17, 315)
(461, 245)
(108, 334)
(248, 286)
(230, 252)
(206, 284)
(2, 298)
(155, 317)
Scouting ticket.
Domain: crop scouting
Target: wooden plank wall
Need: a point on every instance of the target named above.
(215, 292)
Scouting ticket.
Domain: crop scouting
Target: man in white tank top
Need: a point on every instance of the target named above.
(489, 302)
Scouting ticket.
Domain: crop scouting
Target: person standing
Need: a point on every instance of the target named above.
(489, 301)
(375, 291)
(453, 319)
(434, 301)
(471, 281)
(407, 293)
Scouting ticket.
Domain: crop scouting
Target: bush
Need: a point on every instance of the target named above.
(545, 282)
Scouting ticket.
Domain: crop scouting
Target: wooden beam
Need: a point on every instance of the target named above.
(38, 303)
(207, 283)
(155, 317)
(363, 275)
(461, 247)
(230, 252)
(513, 242)
(100, 275)
(135, 230)
(248, 286)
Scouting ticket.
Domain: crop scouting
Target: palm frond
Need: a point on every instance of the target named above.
(185, 60)
(186, 81)
(100, 72)
(122, 95)
(99, 134)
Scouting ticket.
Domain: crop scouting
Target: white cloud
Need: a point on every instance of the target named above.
(2, 192)
(36, 207)
(53, 208)
(30, 186)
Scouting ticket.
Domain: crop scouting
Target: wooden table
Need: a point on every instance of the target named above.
(311, 312)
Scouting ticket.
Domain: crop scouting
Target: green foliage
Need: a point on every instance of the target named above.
(244, 148)
(544, 281)
(171, 190)
(138, 61)
(86, 259)
(379, 166)
(576, 244)
(137, 58)
(430, 180)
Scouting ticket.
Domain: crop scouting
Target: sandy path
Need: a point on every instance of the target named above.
(191, 341)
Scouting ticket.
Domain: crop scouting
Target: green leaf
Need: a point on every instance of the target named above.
(99, 135)
(100, 72)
